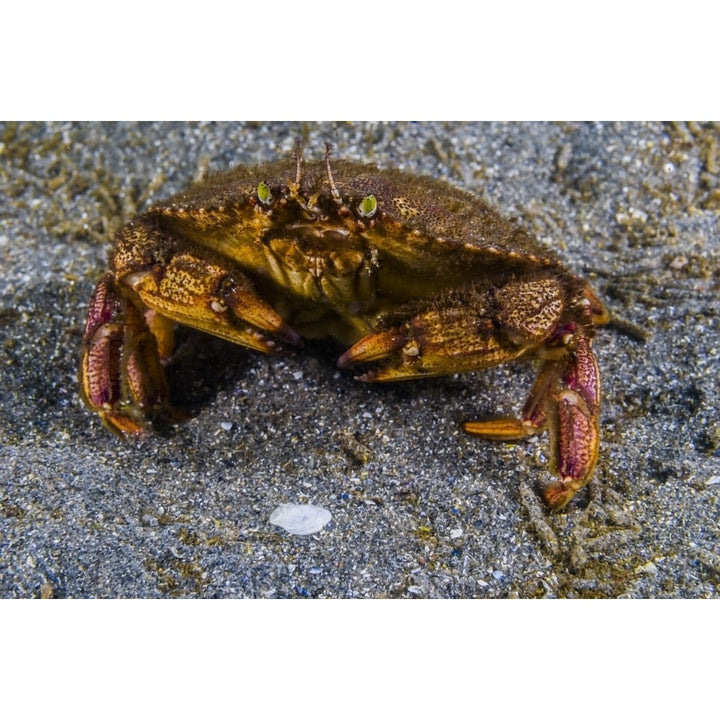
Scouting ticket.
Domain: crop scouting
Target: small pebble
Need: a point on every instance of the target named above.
(300, 519)
(649, 568)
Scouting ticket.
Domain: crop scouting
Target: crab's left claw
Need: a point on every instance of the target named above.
(566, 400)
(372, 348)
(438, 341)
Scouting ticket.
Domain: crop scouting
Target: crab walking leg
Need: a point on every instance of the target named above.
(533, 419)
(566, 399)
(195, 292)
(576, 432)
(164, 331)
(121, 377)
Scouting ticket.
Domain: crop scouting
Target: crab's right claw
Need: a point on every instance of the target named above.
(121, 377)
(195, 292)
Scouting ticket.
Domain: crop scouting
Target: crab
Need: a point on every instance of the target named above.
(414, 277)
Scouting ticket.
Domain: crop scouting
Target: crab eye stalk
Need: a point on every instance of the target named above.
(264, 194)
(367, 207)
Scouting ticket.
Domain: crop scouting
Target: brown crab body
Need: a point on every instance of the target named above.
(415, 277)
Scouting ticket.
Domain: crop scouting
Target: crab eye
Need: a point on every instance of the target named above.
(368, 206)
(263, 193)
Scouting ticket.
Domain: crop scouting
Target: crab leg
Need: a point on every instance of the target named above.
(121, 377)
(533, 418)
(566, 399)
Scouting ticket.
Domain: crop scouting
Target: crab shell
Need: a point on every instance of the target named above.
(414, 277)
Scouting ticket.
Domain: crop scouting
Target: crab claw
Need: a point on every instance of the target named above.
(371, 348)
(197, 293)
(566, 399)
(439, 341)
(246, 306)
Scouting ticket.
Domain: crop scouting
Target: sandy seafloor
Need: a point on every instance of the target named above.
(419, 509)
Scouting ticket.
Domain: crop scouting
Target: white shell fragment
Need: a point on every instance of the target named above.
(300, 519)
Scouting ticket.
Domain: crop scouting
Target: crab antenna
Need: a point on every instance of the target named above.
(333, 188)
(297, 154)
